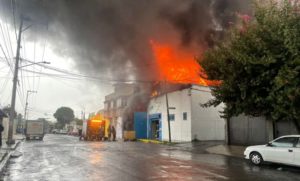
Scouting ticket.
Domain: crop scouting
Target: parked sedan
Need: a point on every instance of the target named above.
(283, 150)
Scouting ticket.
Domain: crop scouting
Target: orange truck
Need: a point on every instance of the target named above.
(95, 128)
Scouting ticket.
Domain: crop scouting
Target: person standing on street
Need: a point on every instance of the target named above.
(109, 132)
(1, 130)
(101, 133)
(113, 131)
(80, 134)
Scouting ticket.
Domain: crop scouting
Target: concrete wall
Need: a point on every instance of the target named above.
(5, 124)
(180, 129)
(119, 128)
(246, 130)
(285, 128)
(206, 122)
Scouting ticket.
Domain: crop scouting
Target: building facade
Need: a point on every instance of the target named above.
(188, 119)
(115, 105)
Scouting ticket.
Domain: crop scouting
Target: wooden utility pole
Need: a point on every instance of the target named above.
(14, 90)
(168, 113)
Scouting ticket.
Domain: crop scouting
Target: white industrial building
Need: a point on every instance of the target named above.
(189, 120)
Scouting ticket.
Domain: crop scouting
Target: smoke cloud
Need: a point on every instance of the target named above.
(110, 38)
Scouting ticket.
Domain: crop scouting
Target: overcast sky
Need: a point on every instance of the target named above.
(109, 40)
(52, 92)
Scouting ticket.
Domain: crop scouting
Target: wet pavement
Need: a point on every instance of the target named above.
(61, 157)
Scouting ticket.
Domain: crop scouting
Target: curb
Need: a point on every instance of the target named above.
(17, 144)
(225, 152)
(151, 141)
(157, 142)
(7, 156)
(4, 161)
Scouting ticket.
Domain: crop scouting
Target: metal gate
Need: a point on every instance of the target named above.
(285, 128)
(244, 130)
(140, 125)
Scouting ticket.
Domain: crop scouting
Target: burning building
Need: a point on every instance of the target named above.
(188, 119)
(179, 96)
(137, 41)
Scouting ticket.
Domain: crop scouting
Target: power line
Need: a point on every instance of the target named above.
(6, 59)
(91, 78)
(9, 40)
(13, 7)
(4, 84)
(80, 76)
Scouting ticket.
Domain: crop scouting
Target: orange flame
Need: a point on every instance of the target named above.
(177, 66)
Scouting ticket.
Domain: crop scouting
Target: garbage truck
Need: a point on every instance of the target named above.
(92, 128)
(35, 129)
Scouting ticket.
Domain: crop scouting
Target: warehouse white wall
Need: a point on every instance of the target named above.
(180, 129)
(206, 122)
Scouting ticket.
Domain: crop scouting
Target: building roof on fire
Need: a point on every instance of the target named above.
(162, 89)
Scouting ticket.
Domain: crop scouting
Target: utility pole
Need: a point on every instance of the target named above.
(26, 104)
(168, 113)
(14, 90)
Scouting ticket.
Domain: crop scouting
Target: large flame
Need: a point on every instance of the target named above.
(176, 65)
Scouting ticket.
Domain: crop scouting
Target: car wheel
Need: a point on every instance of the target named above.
(256, 158)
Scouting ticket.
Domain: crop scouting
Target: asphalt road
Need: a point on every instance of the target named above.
(61, 157)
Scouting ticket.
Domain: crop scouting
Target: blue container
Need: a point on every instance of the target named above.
(140, 125)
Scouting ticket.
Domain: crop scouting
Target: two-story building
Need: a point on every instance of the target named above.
(115, 104)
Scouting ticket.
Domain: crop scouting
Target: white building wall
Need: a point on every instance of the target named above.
(5, 124)
(119, 128)
(206, 122)
(180, 129)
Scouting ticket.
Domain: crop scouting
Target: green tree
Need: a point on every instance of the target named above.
(6, 110)
(63, 115)
(258, 65)
(78, 121)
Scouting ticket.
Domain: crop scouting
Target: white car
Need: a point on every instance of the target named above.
(283, 150)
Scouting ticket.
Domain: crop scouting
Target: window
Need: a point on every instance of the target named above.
(124, 102)
(298, 144)
(172, 117)
(119, 102)
(285, 142)
(106, 106)
(184, 116)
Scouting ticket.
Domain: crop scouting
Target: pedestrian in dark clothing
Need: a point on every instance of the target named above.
(113, 131)
(109, 132)
(80, 133)
(1, 130)
(101, 133)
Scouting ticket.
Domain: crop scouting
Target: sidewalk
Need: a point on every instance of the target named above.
(6, 150)
(228, 150)
(212, 147)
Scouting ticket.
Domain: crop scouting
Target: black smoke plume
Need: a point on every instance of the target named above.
(110, 38)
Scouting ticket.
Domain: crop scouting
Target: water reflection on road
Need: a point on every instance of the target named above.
(61, 157)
